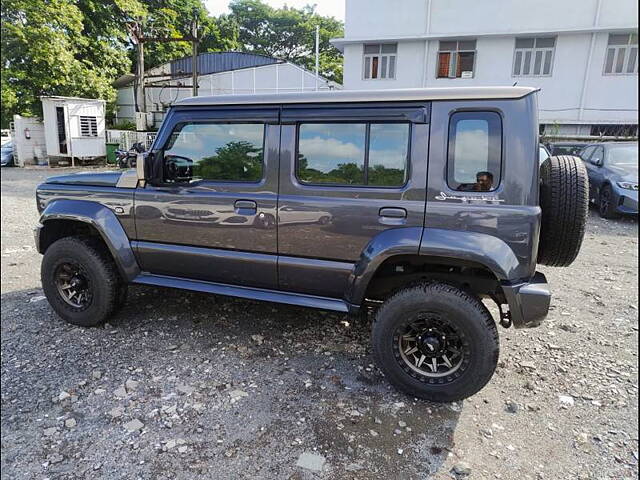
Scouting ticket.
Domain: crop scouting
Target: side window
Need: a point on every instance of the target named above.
(373, 154)
(586, 153)
(230, 152)
(474, 156)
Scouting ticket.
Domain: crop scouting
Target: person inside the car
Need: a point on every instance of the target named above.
(484, 181)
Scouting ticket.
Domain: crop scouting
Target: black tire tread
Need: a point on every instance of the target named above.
(479, 311)
(564, 199)
(102, 262)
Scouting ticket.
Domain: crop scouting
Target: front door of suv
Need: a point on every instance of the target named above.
(347, 174)
(212, 215)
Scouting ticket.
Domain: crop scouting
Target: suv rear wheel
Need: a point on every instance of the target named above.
(435, 342)
(81, 281)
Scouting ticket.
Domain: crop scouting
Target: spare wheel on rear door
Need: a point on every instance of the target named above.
(564, 199)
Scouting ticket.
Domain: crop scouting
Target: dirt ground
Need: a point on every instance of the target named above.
(182, 385)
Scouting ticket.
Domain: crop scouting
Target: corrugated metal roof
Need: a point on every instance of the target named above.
(405, 94)
(214, 62)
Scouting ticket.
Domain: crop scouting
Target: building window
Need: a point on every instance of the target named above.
(456, 59)
(622, 54)
(474, 157)
(226, 152)
(380, 60)
(533, 56)
(88, 126)
(373, 154)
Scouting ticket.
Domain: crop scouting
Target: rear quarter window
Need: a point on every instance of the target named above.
(474, 158)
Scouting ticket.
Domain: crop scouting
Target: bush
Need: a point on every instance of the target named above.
(124, 125)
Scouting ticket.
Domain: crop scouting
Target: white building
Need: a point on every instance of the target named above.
(74, 127)
(219, 73)
(583, 54)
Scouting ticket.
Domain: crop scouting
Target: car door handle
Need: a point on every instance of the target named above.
(392, 212)
(245, 205)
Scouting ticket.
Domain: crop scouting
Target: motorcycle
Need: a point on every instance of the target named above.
(127, 158)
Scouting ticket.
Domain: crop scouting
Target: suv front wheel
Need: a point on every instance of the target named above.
(81, 281)
(435, 342)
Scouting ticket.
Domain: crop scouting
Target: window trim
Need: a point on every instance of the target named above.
(368, 123)
(379, 55)
(627, 55)
(533, 51)
(450, 162)
(91, 134)
(163, 148)
(457, 51)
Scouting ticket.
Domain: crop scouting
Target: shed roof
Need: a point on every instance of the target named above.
(392, 95)
(215, 62)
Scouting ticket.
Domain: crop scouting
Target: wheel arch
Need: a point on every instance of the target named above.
(66, 217)
(471, 253)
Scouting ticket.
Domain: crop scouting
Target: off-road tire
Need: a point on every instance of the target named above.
(465, 312)
(606, 207)
(564, 199)
(102, 274)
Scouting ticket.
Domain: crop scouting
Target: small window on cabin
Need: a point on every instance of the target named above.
(475, 151)
(88, 126)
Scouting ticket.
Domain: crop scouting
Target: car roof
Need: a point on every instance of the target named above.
(391, 95)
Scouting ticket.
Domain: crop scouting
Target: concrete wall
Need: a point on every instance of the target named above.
(28, 151)
(418, 26)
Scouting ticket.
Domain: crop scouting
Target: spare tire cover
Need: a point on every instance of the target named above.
(564, 199)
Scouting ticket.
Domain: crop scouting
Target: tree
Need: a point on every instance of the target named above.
(60, 47)
(288, 33)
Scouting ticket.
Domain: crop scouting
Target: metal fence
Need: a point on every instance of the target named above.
(126, 138)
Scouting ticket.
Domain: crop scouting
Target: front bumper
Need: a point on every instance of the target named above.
(528, 301)
(628, 202)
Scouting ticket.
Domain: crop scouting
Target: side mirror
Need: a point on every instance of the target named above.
(178, 168)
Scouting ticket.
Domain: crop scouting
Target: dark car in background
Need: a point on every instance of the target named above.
(565, 148)
(6, 154)
(613, 177)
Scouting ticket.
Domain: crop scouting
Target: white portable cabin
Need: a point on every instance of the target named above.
(74, 127)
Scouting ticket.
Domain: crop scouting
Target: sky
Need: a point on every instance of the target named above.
(330, 8)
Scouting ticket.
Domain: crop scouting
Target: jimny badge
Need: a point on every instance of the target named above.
(490, 199)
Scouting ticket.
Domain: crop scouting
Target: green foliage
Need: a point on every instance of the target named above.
(124, 125)
(79, 47)
(235, 161)
(288, 33)
(351, 174)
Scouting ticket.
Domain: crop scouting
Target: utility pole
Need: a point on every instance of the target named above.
(137, 37)
(194, 55)
(317, 55)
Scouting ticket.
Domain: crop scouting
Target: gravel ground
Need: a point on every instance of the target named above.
(181, 385)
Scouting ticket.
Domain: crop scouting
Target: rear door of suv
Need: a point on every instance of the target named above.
(347, 173)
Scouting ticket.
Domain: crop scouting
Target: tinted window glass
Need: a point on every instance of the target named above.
(225, 152)
(388, 152)
(332, 153)
(475, 151)
(623, 156)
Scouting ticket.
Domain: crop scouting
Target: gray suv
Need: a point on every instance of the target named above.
(412, 205)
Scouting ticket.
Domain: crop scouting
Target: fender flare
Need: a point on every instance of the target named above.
(387, 244)
(104, 221)
(476, 247)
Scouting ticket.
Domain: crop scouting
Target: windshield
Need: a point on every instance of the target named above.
(623, 156)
